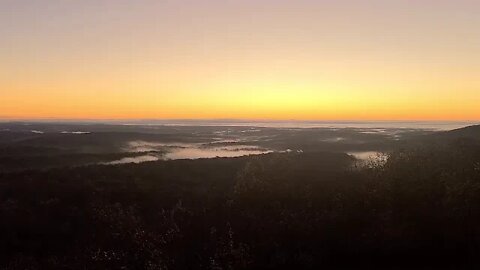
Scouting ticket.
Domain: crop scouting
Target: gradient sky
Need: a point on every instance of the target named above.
(262, 59)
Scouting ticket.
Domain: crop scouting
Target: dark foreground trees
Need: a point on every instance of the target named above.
(421, 210)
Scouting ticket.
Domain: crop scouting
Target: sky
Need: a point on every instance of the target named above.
(240, 59)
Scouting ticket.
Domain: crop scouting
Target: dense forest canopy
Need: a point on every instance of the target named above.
(319, 208)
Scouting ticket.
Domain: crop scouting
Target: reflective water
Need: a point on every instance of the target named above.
(369, 158)
(139, 159)
(195, 153)
(75, 132)
(164, 151)
(365, 155)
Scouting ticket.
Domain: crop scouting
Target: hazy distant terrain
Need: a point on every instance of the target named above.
(116, 196)
(40, 145)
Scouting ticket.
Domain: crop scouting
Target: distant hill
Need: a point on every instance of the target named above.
(472, 132)
(469, 134)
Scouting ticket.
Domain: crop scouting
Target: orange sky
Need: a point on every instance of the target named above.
(305, 59)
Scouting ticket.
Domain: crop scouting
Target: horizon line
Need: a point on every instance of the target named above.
(239, 120)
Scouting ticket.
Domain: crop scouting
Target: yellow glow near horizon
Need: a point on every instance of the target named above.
(308, 60)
